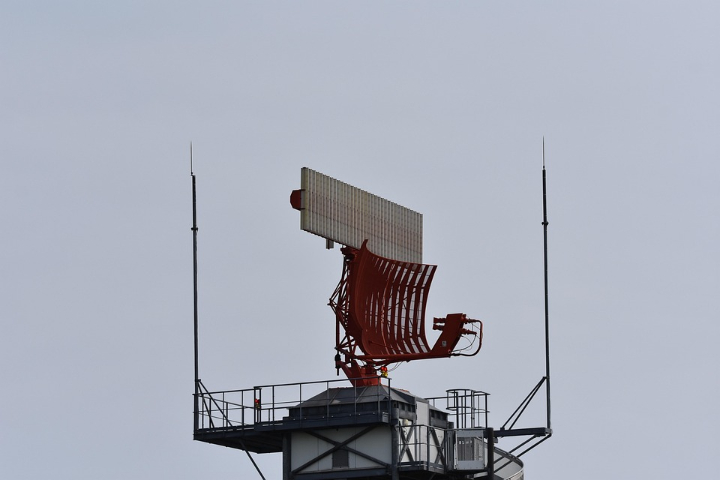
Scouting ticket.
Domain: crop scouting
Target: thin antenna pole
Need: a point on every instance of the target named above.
(547, 322)
(195, 293)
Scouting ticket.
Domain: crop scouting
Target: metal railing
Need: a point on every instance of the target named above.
(468, 408)
(267, 404)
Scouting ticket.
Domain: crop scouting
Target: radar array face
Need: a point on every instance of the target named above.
(348, 215)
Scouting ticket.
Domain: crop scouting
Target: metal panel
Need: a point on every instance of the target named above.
(312, 451)
(348, 215)
(470, 449)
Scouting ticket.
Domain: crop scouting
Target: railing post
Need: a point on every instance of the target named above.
(486, 411)
(427, 447)
(257, 403)
(242, 407)
(390, 412)
(327, 400)
(196, 413)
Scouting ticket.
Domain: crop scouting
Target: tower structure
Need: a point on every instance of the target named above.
(368, 429)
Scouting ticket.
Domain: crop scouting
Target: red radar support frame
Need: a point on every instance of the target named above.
(379, 306)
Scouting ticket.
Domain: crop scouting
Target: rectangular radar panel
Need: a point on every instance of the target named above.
(348, 215)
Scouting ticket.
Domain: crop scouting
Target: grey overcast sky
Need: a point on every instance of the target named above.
(439, 106)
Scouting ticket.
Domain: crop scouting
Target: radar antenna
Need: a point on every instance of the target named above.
(379, 303)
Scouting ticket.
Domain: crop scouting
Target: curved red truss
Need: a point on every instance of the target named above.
(380, 305)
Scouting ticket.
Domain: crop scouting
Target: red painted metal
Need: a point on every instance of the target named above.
(379, 306)
(296, 199)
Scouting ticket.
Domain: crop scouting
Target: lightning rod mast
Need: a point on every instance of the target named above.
(547, 322)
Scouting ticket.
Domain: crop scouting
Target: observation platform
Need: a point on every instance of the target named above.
(328, 428)
(256, 419)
